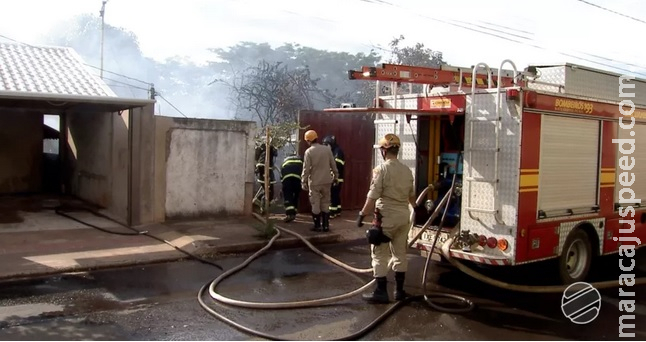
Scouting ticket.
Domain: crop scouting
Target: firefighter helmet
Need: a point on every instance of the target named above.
(329, 140)
(310, 135)
(389, 140)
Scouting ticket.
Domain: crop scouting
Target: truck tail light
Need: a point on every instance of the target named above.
(482, 240)
(492, 242)
(512, 94)
(503, 244)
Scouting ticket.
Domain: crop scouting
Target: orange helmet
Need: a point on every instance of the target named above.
(310, 135)
(389, 140)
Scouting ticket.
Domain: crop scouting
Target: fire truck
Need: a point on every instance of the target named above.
(538, 171)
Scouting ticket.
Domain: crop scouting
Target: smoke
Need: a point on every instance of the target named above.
(131, 74)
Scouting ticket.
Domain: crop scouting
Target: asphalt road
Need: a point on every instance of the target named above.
(159, 302)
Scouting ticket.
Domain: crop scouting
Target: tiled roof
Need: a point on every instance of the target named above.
(44, 69)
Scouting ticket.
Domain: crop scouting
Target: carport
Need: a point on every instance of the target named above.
(106, 143)
(97, 152)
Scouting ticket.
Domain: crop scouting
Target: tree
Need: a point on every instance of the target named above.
(271, 93)
(329, 68)
(416, 55)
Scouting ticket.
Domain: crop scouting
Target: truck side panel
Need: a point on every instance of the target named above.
(636, 134)
(608, 162)
(575, 174)
(632, 172)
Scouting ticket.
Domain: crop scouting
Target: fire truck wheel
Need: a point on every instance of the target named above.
(576, 257)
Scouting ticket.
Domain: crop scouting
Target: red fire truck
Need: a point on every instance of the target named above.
(539, 171)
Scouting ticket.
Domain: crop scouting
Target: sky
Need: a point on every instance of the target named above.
(600, 38)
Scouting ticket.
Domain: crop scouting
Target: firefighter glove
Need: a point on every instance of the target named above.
(360, 218)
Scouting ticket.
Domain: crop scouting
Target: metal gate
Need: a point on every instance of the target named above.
(355, 134)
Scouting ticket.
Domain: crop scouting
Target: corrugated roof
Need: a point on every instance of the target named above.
(47, 69)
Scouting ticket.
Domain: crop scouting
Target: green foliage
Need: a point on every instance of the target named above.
(265, 231)
(417, 55)
(281, 134)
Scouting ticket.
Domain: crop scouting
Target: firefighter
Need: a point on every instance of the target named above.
(291, 179)
(260, 169)
(339, 158)
(391, 192)
(318, 161)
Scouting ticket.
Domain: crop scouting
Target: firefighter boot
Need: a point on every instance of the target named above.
(400, 294)
(317, 222)
(289, 218)
(326, 222)
(380, 295)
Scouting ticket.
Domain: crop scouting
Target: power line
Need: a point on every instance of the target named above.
(495, 30)
(499, 34)
(611, 11)
(528, 43)
(506, 27)
(170, 104)
(118, 74)
(124, 83)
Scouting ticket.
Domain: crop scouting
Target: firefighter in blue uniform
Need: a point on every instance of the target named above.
(291, 180)
(339, 158)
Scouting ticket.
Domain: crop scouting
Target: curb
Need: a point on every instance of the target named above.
(241, 248)
(126, 263)
(247, 247)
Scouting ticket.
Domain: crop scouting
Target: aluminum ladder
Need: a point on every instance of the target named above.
(469, 151)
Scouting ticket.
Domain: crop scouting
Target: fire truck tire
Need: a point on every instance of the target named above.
(576, 257)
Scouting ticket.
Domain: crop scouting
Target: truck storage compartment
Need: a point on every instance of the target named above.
(569, 166)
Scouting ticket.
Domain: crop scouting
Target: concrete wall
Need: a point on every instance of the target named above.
(99, 162)
(205, 167)
(143, 165)
(97, 159)
(89, 138)
(21, 151)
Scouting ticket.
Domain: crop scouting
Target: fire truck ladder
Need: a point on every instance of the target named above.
(430, 76)
(497, 121)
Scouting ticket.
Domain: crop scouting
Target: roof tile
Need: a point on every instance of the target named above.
(45, 69)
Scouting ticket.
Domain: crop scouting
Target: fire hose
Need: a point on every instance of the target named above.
(425, 297)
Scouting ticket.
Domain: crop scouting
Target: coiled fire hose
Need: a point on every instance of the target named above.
(444, 250)
(323, 301)
(468, 305)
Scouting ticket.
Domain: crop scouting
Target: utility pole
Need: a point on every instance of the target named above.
(267, 170)
(102, 13)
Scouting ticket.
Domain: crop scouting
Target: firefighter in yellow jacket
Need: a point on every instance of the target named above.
(318, 161)
(391, 191)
